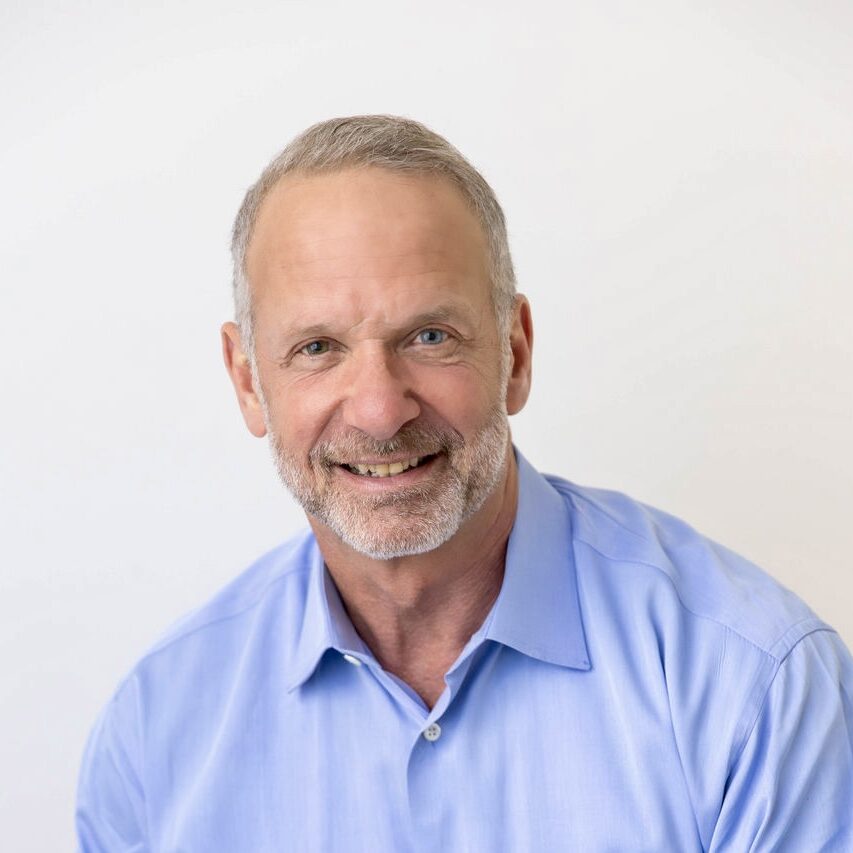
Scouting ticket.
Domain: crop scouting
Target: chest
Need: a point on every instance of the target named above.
(524, 756)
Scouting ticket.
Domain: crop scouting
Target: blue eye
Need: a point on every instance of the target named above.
(315, 348)
(431, 337)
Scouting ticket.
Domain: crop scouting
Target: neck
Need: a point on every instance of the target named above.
(417, 613)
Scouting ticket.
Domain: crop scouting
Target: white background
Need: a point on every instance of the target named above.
(678, 180)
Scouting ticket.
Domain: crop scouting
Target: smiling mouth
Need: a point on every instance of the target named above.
(387, 469)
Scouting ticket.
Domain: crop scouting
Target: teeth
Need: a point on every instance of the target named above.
(383, 469)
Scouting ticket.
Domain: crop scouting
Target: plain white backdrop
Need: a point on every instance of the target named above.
(678, 181)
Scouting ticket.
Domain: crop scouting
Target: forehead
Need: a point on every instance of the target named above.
(363, 238)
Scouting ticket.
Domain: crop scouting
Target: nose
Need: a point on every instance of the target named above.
(378, 398)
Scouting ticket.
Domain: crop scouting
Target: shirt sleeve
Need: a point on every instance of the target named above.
(791, 788)
(110, 815)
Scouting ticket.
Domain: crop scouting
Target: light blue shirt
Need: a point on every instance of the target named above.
(635, 687)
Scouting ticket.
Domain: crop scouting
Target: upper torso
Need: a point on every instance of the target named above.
(602, 706)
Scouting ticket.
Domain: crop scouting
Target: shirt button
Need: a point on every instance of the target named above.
(432, 732)
(353, 660)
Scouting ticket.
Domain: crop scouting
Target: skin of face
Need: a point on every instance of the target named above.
(376, 342)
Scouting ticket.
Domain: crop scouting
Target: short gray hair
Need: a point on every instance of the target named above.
(389, 142)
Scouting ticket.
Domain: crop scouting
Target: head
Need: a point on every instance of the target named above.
(387, 142)
(378, 325)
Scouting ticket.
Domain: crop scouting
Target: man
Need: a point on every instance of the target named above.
(461, 654)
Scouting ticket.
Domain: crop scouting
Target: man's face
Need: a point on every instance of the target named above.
(378, 355)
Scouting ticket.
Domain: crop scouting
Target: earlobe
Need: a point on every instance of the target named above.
(240, 372)
(521, 347)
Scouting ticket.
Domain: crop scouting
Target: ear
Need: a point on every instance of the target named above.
(521, 347)
(240, 370)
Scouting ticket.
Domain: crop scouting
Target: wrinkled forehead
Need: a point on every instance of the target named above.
(367, 225)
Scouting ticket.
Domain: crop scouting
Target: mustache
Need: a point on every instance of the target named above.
(411, 440)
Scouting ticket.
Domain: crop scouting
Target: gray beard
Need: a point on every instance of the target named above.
(411, 520)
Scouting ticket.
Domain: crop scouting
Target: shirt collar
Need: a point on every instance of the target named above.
(537, 611)
(325, 623)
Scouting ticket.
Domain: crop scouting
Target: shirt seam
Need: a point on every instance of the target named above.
(110, 719)
(819, 624)
(780, 662)
(166, 644)
(569, 490)
(143, 768)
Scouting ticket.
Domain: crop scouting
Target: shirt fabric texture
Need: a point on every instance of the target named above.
(635, 687)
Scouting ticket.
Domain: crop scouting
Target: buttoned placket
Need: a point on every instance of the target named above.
(426, 720)
(422, 778)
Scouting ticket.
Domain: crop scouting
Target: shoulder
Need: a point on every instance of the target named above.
(217, 632)
(629, 546)
(701, 636)
(285, 567)
(173, 701)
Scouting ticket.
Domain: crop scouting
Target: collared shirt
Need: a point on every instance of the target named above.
(635, 687)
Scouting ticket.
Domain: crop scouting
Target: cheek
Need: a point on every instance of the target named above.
(462, 399)
(298, 418)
